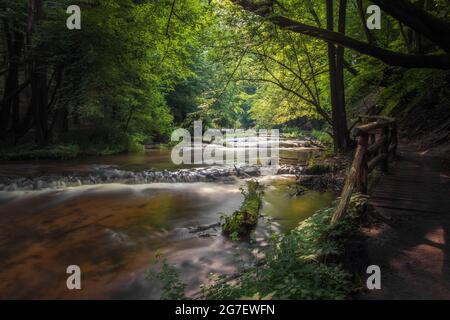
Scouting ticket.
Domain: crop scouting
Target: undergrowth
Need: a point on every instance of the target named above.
(318, 169)
(303, 264)
(172, 287)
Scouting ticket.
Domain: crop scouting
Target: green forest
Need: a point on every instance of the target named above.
(89, 99)
(137, 69)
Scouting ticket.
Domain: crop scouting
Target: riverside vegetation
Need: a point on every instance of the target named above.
(306, 263)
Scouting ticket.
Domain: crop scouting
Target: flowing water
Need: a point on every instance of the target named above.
(114, 231)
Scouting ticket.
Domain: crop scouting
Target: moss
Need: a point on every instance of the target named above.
(242, 221)
(318, 169)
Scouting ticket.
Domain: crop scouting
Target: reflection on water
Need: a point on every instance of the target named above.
(288, 211)
(113, 232)
(158, 159)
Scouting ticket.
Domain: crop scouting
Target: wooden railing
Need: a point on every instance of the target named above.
(376, 139)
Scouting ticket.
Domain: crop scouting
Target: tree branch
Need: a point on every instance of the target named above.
(441, 61)
(435, 29)
(170, 17)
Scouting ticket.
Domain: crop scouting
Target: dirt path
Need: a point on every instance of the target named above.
(411, 240)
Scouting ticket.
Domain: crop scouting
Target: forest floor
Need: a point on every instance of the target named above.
(410, 239)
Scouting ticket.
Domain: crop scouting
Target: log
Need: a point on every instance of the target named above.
(366, 128)
(387, 119)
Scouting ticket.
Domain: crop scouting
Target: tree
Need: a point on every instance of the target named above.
(336, 71)
(441, 61)
(110, 79)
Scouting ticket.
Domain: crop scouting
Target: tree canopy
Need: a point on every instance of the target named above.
(137, 69)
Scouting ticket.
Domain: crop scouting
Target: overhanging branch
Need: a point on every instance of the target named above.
(441, 61)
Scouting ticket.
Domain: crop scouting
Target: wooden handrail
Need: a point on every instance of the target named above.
(375, 141)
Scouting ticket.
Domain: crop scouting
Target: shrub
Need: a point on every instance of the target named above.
(318, 169)
(322, 136)
(60, 152)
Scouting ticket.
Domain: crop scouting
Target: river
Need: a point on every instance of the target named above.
(113, 231)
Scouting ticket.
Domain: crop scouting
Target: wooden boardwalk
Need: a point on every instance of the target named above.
(412, 243)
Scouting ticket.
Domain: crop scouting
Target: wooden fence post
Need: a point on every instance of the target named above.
(384, 148)
(362, 170)
(366, 148)
(394, 138)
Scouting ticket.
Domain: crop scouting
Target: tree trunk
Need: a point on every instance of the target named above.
(336, 73)
(341, 114)
(11, 92)
(60, 121)
(39, 101)
(39, 95)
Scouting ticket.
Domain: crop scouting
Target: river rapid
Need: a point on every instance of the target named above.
(114, 230)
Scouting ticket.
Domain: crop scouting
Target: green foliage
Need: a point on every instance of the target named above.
(172, 287)
(58, 152)
(292, 132)
(410, 88)
(318, 169)
(242, 221)
(295, 267)
(322, 136)
(120, 71)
